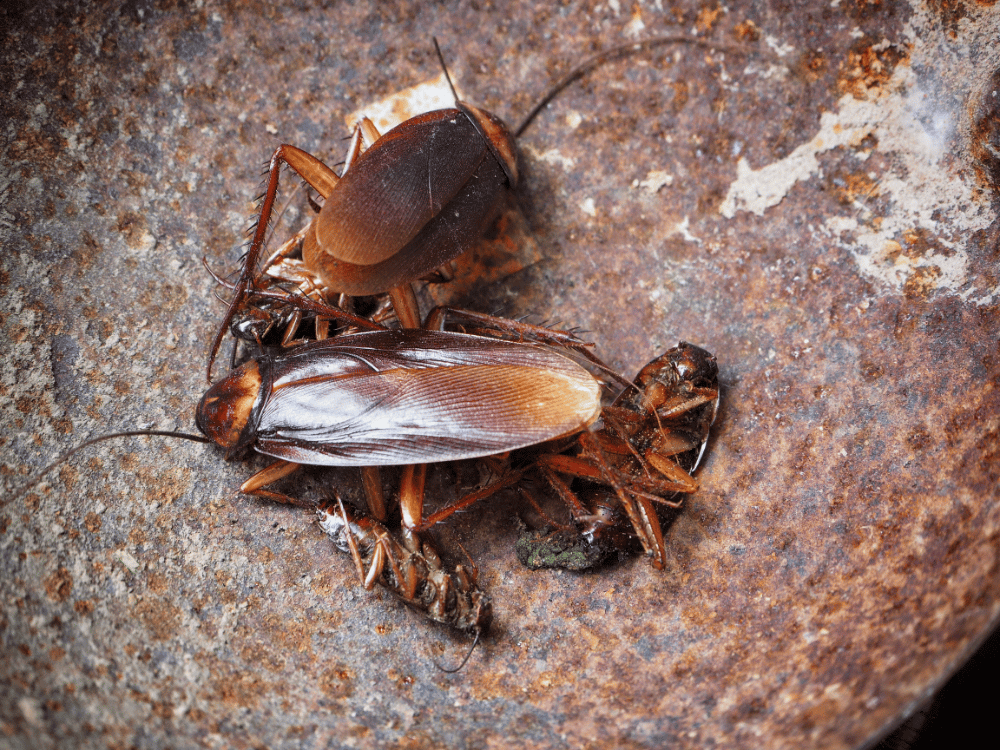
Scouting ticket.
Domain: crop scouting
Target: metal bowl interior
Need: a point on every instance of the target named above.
(814, 201)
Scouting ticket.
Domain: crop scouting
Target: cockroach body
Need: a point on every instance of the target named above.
(651, 440)
(397, 397)
(411, 570)
(413, 201)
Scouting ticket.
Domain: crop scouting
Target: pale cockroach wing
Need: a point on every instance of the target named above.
(399, 397)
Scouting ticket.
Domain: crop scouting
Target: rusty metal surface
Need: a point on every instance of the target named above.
(818, 211)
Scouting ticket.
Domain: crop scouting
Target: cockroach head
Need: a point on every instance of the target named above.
(225, 411)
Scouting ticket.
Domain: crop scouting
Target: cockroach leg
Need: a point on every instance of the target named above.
(351, 544)
(507, 480)
(527, 495)
(404, 301)
(268, 475)
(371, 482)
(411, 495)
(319, 176)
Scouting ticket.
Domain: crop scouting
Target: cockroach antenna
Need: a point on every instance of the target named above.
(624, 50)
(444, 67)
(472, 648)
(110, 436)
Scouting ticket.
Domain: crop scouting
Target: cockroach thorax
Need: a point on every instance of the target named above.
(225, 409)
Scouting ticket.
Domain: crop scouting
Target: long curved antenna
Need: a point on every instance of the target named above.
(614, 53)
(128, 433)
(472, 648)
(444, 67)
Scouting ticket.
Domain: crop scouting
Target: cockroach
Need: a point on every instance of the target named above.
(395, 397)
(408, 201)
(412, 570)
(650, 441)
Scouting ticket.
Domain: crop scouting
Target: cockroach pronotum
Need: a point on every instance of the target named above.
(411, 570)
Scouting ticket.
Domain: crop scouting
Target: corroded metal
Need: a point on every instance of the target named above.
(814, 204)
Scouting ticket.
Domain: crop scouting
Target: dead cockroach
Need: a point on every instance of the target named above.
(411, 570)
(408, 201)
(651, 439)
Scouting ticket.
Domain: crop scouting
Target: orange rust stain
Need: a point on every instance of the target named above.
(160, 617)
(868, 69)
(59, 585)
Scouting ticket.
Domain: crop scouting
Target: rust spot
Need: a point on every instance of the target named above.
(337, 682)
(243, 689)
(849, 187)
(133, 228)
(707, 17)
(746, 31)
(869, 67)
(160, 617)
(871, 371)
(921, 282)
(951, 12)
(92, 522)
(59, 585)
(266, 656)
(83, 607)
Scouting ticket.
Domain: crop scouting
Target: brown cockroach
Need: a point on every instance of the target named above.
(408, 201)
(412, 570)
(650, 441)
(395, 397)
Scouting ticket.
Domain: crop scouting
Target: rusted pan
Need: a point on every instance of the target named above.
(815, 204)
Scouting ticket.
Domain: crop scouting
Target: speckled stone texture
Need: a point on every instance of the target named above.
(815, 202)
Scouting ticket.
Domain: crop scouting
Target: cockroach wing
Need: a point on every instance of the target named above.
(413, 201)
(404, 397)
